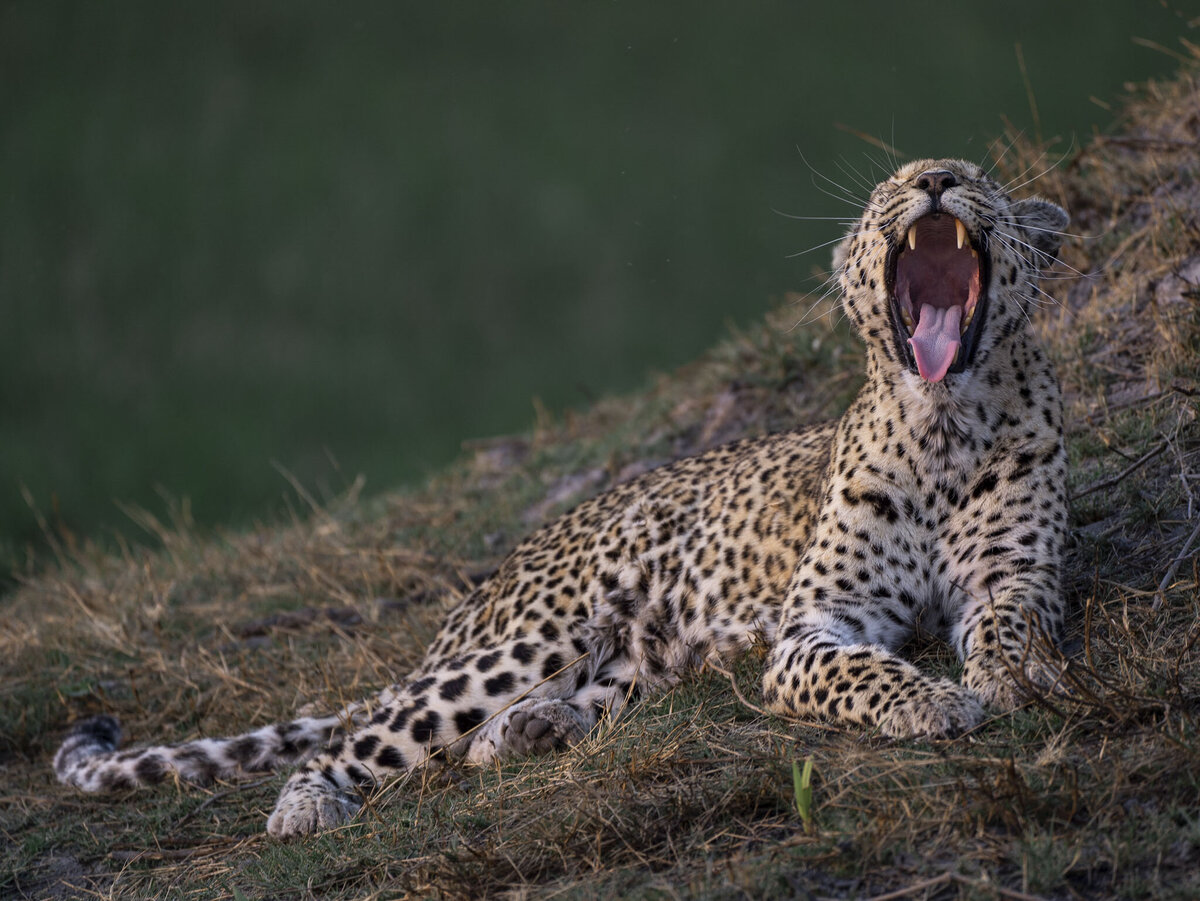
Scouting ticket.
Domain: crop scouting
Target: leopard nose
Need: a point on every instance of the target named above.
(935, 181)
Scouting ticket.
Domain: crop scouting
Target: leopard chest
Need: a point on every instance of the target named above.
(934, 509)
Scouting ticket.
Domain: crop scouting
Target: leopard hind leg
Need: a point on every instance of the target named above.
(543, 725)
(510, 699)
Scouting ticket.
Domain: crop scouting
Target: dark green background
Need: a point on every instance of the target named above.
(235, 233)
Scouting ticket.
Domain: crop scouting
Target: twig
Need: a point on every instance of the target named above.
(948, 877)
(1033, 107)
(1013, 893)
(872, 140)
(1130, 141)
(759, 710)
(217, 796)
(1166, 580)
(160, 854)
(1111, 410)
(921, 886)
(1113, 480)
(1167, 51)
(736, 690)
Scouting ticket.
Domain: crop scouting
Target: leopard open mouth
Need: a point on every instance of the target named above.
(937, 282)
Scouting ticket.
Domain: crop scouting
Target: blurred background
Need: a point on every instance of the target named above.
(241, 236)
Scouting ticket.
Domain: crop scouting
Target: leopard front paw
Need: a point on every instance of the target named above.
(304, 807)
(938, 709)
(1005, 685)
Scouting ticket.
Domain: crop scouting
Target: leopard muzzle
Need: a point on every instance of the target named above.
(937, 287)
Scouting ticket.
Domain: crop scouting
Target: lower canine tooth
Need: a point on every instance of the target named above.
(912, 238)
(960, 232)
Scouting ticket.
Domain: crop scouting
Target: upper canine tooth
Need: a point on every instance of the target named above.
(960, 231)
(912, 237)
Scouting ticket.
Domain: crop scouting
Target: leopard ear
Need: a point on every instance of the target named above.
(1043, 223)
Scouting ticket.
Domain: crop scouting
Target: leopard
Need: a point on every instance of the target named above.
(936, 504)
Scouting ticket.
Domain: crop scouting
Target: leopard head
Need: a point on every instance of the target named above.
(940, 270)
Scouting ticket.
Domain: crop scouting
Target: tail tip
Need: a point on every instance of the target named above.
(85, 739)
(102, 731)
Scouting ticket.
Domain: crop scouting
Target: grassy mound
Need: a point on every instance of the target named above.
(692, 793)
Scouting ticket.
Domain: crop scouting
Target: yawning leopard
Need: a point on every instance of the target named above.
(937, 501)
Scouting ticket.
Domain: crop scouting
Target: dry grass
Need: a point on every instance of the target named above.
(1092, 795)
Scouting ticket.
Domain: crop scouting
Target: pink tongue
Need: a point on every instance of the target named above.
(935, 342)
